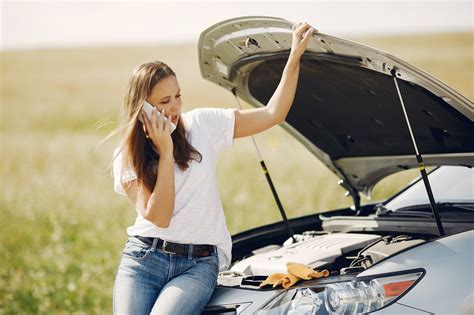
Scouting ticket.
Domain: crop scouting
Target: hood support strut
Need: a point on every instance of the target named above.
(419, 158)
(270, 182)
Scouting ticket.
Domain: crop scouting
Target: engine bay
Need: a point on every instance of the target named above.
(340, 253)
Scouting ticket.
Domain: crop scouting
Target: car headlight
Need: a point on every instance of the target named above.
(361, 295)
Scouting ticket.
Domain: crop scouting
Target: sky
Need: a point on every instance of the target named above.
(50, 24)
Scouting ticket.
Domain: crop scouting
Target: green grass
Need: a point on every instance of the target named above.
(63, 227)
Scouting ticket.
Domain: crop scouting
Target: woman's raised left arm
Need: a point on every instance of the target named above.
(251, 121)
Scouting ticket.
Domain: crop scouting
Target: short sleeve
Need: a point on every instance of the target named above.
(219, 123)
(121, 173)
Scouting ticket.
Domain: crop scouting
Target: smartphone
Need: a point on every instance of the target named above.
(148, 109)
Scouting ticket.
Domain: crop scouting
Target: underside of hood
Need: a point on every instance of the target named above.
(346, 110)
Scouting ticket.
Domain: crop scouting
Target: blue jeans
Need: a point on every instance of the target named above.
(150, 280)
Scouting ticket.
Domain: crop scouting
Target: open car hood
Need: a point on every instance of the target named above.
(346, 110)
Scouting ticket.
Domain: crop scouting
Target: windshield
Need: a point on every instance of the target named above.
(449, 184)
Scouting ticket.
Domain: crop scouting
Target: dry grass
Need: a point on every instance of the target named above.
(63, 224)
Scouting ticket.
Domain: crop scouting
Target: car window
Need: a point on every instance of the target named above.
(391, 185)
(448, 183)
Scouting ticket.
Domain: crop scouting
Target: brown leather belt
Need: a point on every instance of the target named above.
(179, 249)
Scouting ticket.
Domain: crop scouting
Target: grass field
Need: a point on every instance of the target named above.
(63, 227)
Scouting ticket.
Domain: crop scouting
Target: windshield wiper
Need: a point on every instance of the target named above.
(456, 205)
(408, 213)
(424, 210)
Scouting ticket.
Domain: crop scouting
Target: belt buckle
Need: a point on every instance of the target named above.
(163, 248)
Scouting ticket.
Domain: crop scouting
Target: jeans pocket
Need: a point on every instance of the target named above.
(212, 259)
(136, 251)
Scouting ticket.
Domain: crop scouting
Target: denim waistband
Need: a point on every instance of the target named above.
(199, 250)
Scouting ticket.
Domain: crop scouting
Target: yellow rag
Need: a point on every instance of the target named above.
(296, 272)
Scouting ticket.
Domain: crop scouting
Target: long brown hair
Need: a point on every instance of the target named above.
(138, 151)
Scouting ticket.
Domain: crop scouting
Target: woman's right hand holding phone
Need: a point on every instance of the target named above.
(158, 130)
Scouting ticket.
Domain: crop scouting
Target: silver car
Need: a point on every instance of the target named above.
(365, 114)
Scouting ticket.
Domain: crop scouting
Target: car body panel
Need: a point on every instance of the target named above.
(397, 309)
(243, 300)
(448, 264)
(346, 108)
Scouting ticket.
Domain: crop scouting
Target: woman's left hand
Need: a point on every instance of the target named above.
(302, 32)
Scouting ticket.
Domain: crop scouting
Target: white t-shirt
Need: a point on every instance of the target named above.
(198, 216)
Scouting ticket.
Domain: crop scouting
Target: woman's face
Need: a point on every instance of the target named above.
(166, 95)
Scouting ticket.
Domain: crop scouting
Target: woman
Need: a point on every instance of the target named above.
(180, 241)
